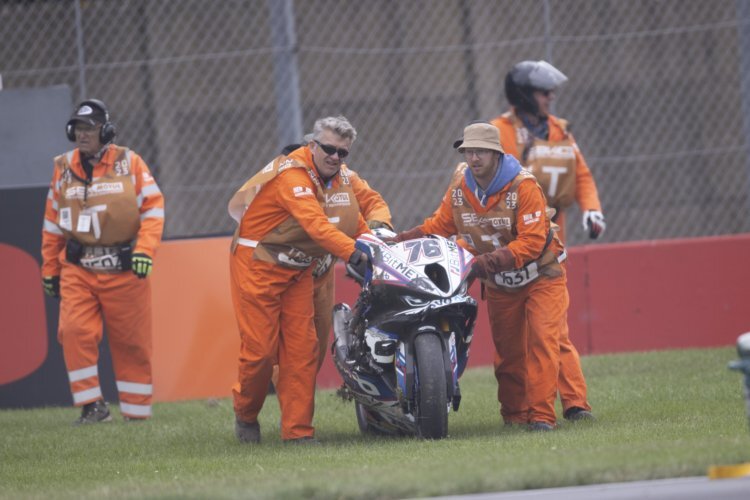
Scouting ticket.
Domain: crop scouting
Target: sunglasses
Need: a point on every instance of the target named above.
(332, 150)
(479, 152)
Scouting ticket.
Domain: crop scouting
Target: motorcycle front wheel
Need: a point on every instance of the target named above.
(431, 393)
(362, 421)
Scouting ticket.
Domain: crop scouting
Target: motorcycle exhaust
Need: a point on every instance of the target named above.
(342, 315)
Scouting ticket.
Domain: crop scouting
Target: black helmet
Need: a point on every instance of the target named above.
(526, 77)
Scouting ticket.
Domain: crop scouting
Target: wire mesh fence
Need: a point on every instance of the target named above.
(208, 91)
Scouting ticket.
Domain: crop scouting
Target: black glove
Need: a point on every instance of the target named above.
(376, 224)
(493, 262)
(142, 264)
(356, 266)
(357, 258)
(51, 286)
(593, 222)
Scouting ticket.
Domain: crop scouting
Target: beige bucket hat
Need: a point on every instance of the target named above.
(480, 136)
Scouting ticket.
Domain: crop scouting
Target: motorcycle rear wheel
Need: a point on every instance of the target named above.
(431, 395)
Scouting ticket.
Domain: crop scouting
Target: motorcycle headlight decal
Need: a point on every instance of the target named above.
(415, 301)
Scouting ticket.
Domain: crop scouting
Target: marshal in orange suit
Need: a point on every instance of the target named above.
(283, 228)
(545, 146)
(102, 224)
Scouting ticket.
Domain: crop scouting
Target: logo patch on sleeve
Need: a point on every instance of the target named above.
(300, 191)
(532, 218)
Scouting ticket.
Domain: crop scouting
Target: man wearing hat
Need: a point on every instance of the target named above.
(103, 221)
(499, 211)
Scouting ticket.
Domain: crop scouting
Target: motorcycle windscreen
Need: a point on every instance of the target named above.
(434, 266)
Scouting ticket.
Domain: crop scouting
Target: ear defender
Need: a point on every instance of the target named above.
(106, 133)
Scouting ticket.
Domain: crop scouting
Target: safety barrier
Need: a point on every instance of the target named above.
(624, 297)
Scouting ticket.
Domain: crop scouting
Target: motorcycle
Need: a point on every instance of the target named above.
(403, 346)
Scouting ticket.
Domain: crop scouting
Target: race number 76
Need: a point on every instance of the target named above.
(430, 248)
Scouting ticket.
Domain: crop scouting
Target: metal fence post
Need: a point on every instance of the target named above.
(743, 17)
(467, 38)
(548, 41)
(81, 52)
(286, 77)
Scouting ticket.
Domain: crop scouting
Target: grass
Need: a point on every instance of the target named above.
(660, 414)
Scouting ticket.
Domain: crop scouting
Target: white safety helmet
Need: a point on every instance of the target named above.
(526, 77)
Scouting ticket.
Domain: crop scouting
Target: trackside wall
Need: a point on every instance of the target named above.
(624, 297)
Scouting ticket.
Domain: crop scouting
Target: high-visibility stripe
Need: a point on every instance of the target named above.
(50, 194)
(76, 375)
(156, 213)
(150, 190)
(247, 243)
(135, 410)
(51, 227)
(134, 388)
(88, 395)
(55, 205)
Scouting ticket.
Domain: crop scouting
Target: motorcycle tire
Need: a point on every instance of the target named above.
(431, 394)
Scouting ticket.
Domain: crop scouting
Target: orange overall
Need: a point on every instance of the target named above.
(282, 230)
(526, 315)
(374, 209)
(122, 205)
(575, 182)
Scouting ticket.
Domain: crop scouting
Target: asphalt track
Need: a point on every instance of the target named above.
(689, 488)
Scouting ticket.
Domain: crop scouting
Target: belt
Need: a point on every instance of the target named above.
(103, 259)
(247, 243)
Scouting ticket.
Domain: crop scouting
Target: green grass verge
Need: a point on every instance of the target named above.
(660, 414)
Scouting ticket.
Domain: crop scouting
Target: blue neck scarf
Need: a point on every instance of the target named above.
(540, 130)
(508, 168)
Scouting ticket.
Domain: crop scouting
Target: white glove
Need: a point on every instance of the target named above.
(593, 222)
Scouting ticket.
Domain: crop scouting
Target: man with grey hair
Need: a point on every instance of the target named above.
(332, 138)
(338, 124)
(292, 211)
(373, 208)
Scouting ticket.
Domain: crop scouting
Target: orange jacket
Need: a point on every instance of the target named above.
(586, 192)
(372, 206)
(150, 201)
(530, 239)
(280, 199)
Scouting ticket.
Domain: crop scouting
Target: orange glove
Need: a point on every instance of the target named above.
(493, 262)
